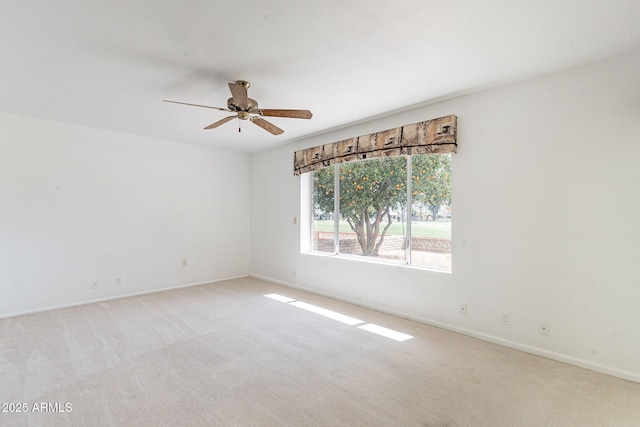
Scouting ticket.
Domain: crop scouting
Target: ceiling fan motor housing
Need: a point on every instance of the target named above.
(252, 106)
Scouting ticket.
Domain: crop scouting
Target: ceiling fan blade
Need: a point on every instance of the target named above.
(220, 122)
(268, 126)
(293, 114)
(239, 94)
(197, 105)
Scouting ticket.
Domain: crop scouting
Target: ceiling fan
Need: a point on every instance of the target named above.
(246, 108)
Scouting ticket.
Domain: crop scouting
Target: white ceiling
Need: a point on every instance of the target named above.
(109, 63)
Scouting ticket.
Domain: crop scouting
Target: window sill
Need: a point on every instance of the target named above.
(379, 261)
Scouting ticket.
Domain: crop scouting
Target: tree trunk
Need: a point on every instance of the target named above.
(372, 233)
(358, 227)
(434, 211)
(367, 232)
(384, 231)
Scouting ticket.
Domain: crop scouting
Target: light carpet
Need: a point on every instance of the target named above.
(225, 355)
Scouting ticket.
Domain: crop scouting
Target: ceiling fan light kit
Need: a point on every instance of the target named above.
(246, 108)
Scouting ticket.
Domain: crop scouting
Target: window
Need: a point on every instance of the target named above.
(391, 208)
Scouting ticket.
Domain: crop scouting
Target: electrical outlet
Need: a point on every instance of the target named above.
(506, 319)
(118, 281)
(94, 285)
(184, 262)
(463, 309)
(544, 328)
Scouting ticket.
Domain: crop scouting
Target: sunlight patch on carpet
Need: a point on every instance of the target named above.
(385, 332)
(370, 327)
(327, 313)
(279, 297)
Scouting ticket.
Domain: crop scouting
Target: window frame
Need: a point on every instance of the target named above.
(307, 199)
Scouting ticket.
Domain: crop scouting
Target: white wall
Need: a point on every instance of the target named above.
(545, 224)
(79, 205)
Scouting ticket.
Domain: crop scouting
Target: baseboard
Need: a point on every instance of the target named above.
(132, 294)
(626, 375)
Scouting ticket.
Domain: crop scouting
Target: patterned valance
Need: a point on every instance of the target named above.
(428, 137)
